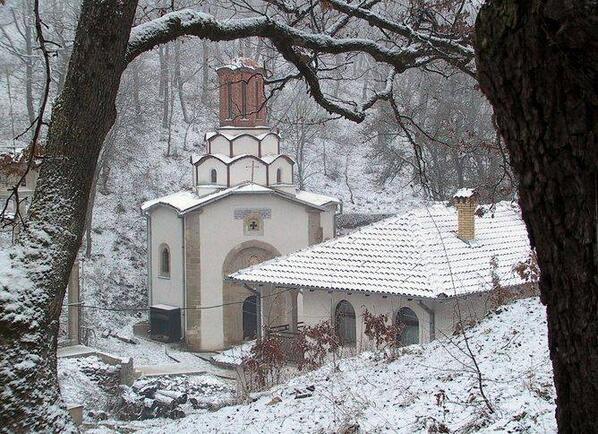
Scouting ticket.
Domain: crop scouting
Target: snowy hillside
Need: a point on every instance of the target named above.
(432, 388)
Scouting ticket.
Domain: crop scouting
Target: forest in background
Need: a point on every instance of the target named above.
(443, 138)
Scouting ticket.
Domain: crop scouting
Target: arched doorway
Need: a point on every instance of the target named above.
(344, 323)
(250, 317)
(408, 325)
(240, 317)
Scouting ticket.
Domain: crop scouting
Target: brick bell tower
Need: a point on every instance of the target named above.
(242, 95)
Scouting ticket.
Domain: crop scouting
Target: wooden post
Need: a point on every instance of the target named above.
(74, 308)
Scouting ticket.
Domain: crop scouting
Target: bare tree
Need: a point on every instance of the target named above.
(524, 51)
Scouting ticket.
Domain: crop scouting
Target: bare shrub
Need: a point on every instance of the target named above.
(386, 337)
(262, 368)
(314, 343)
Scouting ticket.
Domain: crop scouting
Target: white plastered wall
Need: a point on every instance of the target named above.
(204, 171)
(220, 145)
(319, 305)
(473, 307)
(327, 222)
(221, 232)
(166, 228)
(240, 171)
(245, 145)
(270, 144)
(286, 168)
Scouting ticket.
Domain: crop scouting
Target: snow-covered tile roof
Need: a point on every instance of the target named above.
(417, 254)
(185, 201)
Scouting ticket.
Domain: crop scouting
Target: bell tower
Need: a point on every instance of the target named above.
(242, 95)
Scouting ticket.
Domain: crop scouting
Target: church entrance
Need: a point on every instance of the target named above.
(250, 318)
(240, 316)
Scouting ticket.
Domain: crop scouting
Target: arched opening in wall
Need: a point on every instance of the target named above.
(279, 176)
(213, 176)
(344, 323)
(408, 325)
(258, 103)
(229, 99)
(234, 296)
(250, 318)
(244, 99)
(164, 260)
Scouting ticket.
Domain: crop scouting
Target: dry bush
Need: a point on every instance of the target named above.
(314, 343)
(263, 367)
(384, 336)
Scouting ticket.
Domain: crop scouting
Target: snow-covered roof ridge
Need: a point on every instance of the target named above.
(417, 253)
(186, 201)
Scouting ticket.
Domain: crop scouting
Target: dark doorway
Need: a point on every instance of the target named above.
(250, 318)
(344, 323)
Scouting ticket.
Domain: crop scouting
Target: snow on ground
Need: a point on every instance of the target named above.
(234, 355)
(89, 382)
(147, 352)
(430, 388)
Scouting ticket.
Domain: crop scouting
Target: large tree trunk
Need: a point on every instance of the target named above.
(537, 63)
(30, 301)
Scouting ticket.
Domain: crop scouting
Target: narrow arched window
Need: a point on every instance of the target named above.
(278, 176)
(408, 326)
(344, 323)
(244, 99)
(164, 260)
(229, 99)
(258, 102)
(214, 176)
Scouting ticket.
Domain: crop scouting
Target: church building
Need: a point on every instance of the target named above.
(243, 209)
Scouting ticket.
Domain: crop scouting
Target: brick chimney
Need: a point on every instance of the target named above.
(466, 202)
(242, 96)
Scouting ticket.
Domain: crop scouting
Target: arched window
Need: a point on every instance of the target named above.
(344, 323)
(244, 99)
(408, 325)
(278, 175)
(164, 260)
(229, 99)
(214, 176)
(258, 103)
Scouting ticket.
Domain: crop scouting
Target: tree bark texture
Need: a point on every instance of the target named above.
(81, 118)
(537, 63)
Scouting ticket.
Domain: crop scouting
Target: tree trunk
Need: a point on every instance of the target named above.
(537, 65)
(30, 303)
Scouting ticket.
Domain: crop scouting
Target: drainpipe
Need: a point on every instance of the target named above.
(148, 220)
(432, 318)
(183, 310)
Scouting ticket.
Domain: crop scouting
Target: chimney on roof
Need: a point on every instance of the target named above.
(242, 95)
(466, 202)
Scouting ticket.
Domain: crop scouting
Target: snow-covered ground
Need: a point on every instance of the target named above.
(429, 388)
(235, 355)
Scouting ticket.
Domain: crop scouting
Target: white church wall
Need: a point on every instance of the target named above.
(204, 171)
(283, 230)
(327, 223)
(220, 145)
(286, 171)
(319, 306)
(270, 144)
(245, 145)
(167, 228)
(240, 171)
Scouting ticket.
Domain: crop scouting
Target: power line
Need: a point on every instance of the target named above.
(145, 309)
